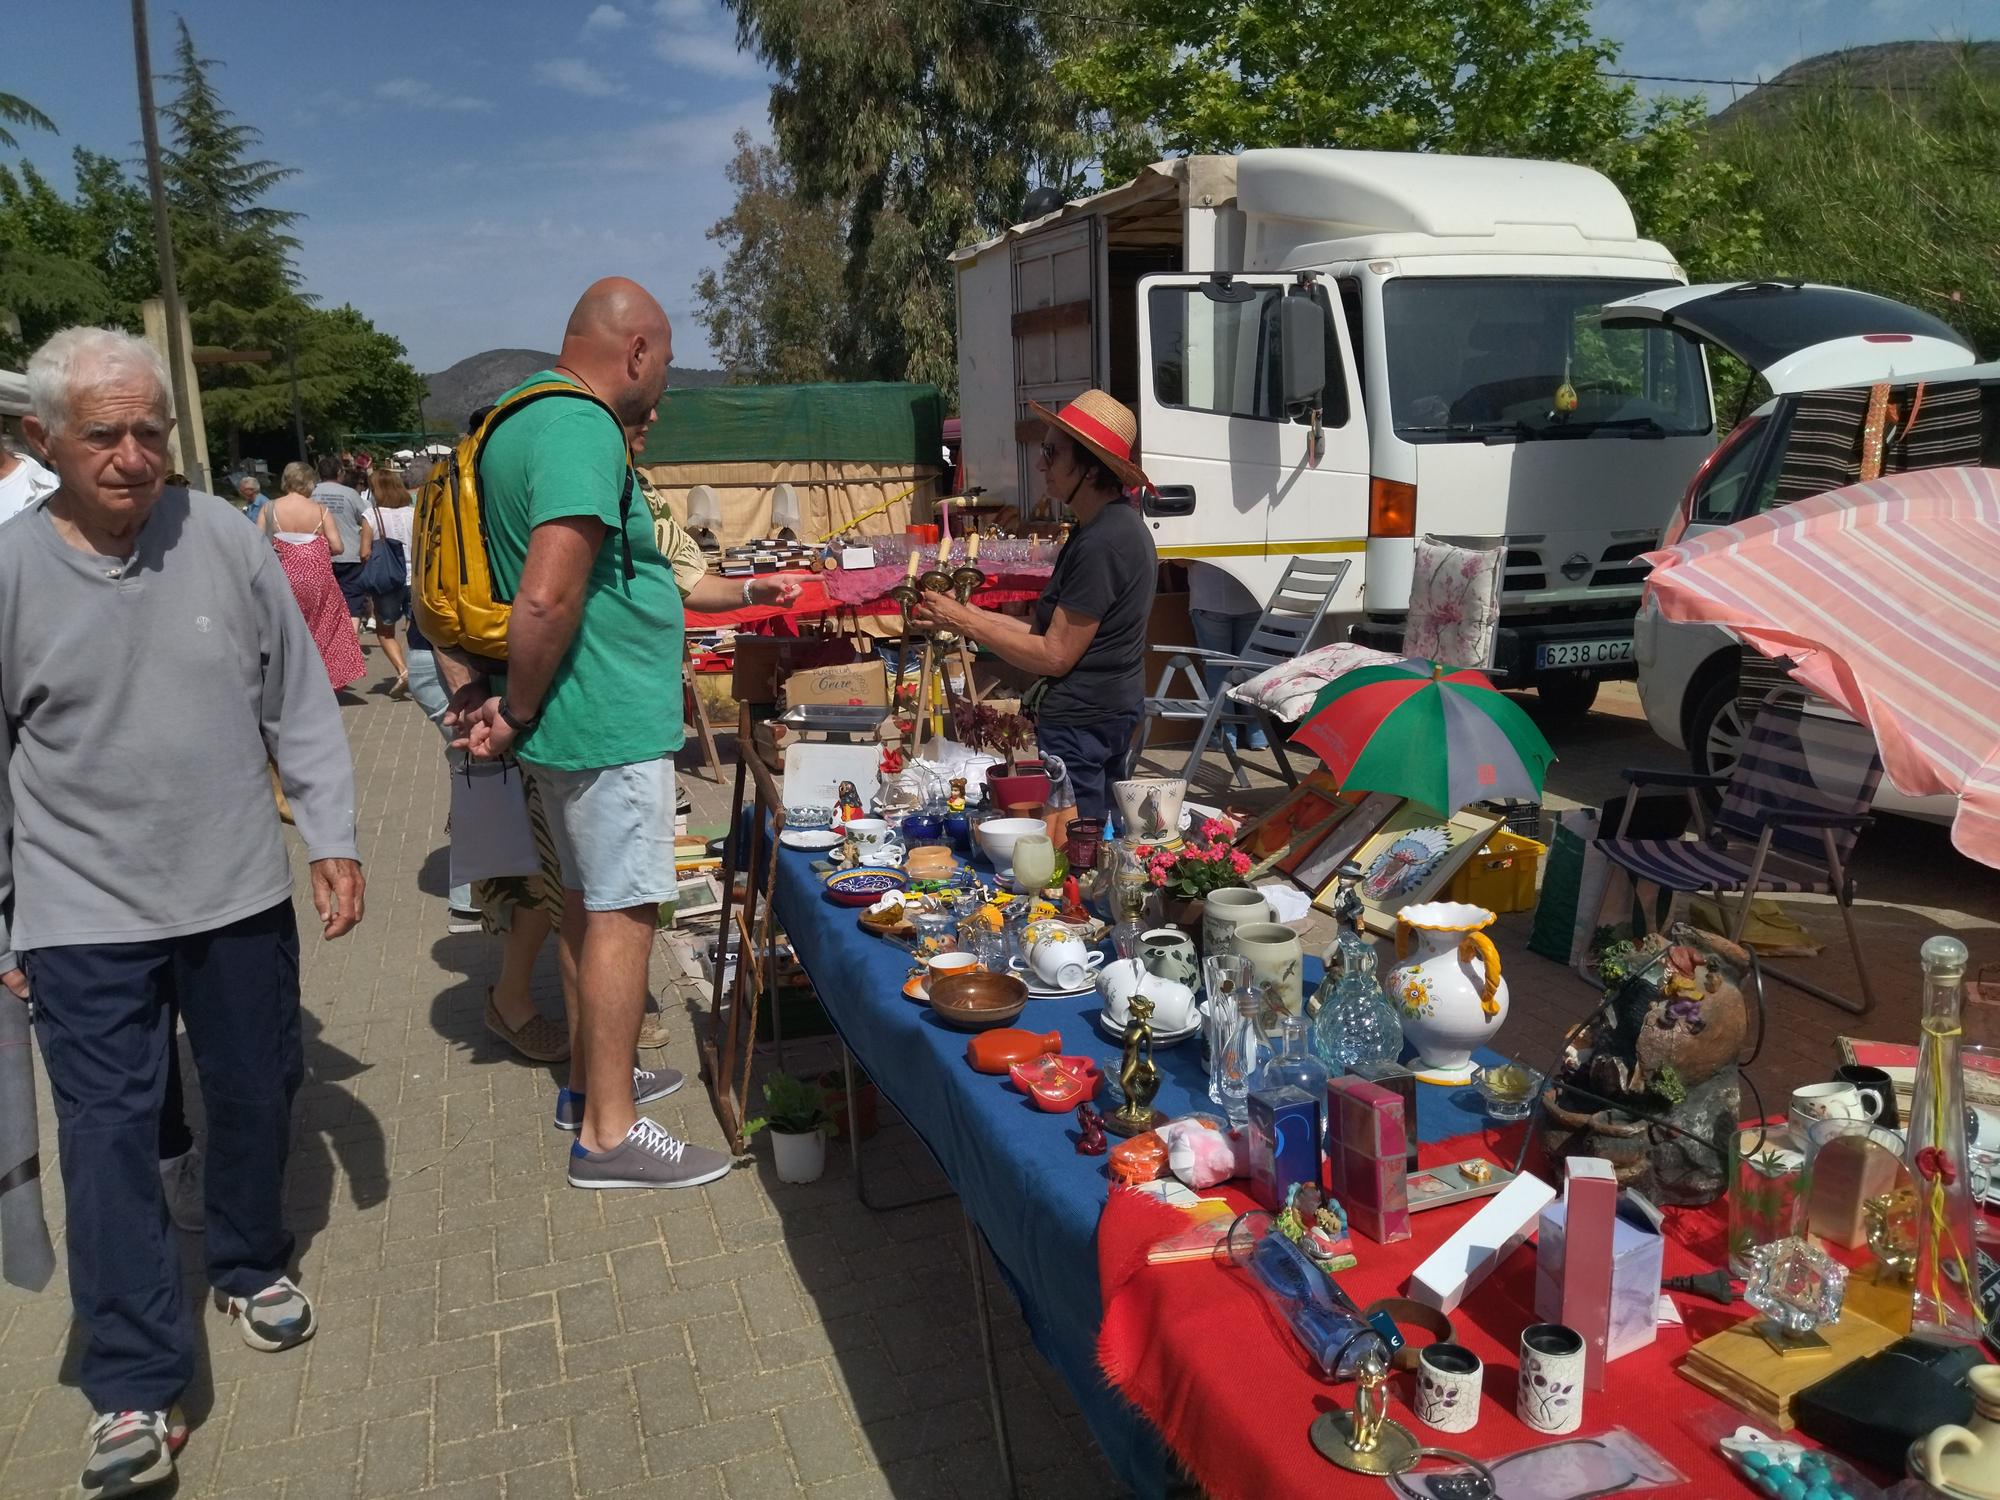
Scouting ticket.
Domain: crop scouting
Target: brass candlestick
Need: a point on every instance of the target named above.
(964, 579)
(936, 581)
(1138, 1074)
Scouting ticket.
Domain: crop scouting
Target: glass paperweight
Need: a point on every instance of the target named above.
(1799, 1289)
(1353, 1021)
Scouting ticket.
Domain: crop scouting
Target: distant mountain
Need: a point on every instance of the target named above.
(475, 380)
(1899, 67)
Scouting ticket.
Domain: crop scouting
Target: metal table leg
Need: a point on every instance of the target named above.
(974, 1254)
(854, 1146)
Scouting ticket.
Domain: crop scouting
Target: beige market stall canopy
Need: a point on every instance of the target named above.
(844, 449)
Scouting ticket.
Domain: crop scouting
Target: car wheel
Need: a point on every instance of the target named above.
(1716, 730)
(1565, 696)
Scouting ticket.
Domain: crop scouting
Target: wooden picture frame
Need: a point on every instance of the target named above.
(1382, 892)
(1315, 872)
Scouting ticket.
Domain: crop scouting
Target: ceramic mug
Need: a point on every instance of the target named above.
(1117, 982)
(1835, 1101)
(944, 965)
(1448, 1381)
(1277, 962)
(1549, 1396)
(867, 832)
(1873, 1080)
(1173, 1003)
(1223, 911)
(1169, 953)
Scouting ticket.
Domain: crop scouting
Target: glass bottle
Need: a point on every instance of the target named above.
(1353, 1020)
(1946, 1301)
(1293, 1063)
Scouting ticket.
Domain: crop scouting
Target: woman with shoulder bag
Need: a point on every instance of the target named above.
(386, 531)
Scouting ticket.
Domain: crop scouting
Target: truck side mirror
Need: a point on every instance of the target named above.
(1302, 348)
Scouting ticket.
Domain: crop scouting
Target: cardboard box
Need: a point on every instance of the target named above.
(860, 682)
(1284, 1143)
(1575, 1249)
(857, 557)
(1481, 1243)
(1367, 1141)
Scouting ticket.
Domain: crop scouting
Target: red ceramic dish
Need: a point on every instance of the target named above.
(1057, 1084)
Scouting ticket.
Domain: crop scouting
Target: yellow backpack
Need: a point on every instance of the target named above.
(456, 600)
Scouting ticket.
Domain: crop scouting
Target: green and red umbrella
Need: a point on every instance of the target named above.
(1442, 736)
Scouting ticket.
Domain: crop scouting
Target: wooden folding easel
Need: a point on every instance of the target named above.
(732, 1016)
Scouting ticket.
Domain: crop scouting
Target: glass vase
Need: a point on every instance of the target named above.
(1353, 1020)
(1767, 1199)
(1946, 1302)
(1242, 1048)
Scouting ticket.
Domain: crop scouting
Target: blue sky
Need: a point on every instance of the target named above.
(466, 166)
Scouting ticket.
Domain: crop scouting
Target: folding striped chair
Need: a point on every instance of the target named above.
(1791, 811)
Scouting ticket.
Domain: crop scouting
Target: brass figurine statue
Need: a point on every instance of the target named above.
(1138, 1074)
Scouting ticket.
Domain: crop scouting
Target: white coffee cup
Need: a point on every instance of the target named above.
(1059, 960)
(888, 856)
(944, 965)
(869, 831)
(1173, 1003)
(1117, 983)
(1836, 1101)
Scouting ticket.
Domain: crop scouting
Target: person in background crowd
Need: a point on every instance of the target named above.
(152, 662)
(585, 705)
(22, 482)
(250, 492)
(389, 521)
(344, 505)
(1086, 637)
(307, 539)
(1223, 614)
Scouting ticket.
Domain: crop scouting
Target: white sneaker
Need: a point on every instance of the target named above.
(181, 1177)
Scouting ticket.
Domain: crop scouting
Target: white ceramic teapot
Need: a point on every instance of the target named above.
(1450, 990)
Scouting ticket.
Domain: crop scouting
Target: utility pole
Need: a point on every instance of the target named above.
(163, 239)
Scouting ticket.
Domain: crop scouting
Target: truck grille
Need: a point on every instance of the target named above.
(1530, 568)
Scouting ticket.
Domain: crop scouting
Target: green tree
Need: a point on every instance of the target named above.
(215, 186)
(924, 124)
(775, 311)
(14, 110)
(1478, 77)
(62, 261)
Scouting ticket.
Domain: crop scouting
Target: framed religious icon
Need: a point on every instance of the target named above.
(1412, 858)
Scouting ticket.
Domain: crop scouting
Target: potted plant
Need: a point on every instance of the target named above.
(1018, 786)
(795, 1113)
(1185, 876)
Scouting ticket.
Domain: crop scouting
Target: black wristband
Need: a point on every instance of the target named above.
(514, 722)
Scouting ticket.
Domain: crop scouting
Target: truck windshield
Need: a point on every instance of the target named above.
(1485, 358)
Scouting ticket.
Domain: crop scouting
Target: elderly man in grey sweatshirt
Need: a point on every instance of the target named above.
(151, 658)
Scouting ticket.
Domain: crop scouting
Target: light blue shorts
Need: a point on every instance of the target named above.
(614, 832)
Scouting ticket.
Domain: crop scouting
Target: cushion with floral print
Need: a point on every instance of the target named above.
(1454, 603)
(1288, 689)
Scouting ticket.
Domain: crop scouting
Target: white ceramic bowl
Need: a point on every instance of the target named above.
(997, 836)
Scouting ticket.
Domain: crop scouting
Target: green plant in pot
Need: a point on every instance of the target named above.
(796, 1115)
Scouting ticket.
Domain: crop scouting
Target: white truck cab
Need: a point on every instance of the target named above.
(1456, 380)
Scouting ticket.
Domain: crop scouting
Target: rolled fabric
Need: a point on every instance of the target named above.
(27, 1259)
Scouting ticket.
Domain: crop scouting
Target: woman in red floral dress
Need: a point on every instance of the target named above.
(307, 541)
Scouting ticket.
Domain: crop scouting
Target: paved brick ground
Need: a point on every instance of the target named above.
(489, 1331)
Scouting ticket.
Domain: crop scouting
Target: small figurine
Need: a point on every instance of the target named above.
(1371, 1401)
(956, 801)
(1091, 1142)
(1138, 1074)
(849, 801)
(1073, 909)
(1318, 1226)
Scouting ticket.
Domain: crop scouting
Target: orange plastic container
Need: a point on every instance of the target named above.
(1501, 876)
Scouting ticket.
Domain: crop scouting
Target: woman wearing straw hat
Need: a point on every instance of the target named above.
(1086, 637)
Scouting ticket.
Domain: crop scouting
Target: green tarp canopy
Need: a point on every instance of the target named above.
(876, 422)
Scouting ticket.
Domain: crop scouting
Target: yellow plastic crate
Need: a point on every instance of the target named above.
(1501, 876)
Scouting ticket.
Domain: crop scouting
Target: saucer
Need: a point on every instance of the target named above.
(1116, 1031)
(1039, 991)
(809, 838)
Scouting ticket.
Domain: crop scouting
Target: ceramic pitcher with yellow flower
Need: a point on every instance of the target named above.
(1447, 984)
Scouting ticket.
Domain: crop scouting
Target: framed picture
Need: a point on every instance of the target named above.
(1286, 836)
(1412, 858)
(1315, 871)
(697, 896)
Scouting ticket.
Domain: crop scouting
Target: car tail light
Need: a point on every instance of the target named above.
(1684, 512)
(1392, 508)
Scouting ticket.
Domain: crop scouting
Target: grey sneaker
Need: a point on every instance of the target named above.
(648, 1084)
(279, 1317)
(459, 922)
(649, 1157)
(181, 1177)
(130, 1451)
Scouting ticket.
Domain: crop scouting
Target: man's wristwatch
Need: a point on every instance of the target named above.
(514, 721)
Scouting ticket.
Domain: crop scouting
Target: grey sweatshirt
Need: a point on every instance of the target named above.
(138, 701)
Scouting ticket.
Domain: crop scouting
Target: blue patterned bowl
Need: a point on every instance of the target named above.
(863, 887)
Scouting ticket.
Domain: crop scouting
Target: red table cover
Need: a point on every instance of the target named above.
(816, 599)
(1194, 1348)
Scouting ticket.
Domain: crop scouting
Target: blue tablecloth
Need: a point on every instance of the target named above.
(1014, 1167)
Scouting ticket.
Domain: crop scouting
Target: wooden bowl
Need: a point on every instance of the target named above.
(973, 1002)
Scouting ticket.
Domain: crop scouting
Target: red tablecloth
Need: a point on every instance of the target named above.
(815, 599)
(1194, 1348)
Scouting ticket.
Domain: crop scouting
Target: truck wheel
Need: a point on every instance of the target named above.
(1716, 730)
(1566, 696)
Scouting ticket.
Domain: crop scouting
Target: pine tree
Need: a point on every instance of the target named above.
(14, 110)
(215, 188)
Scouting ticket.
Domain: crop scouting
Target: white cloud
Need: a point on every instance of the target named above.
(695, 36)
(575, 76)
(417, 94)
(604, 18)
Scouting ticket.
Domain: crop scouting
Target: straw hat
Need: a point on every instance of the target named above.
(1106, 427)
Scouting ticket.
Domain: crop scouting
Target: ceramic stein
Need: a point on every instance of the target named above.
(1967, 1459)
(1277, 966)
(1448, 1381)
(1549, 1396)
(1169, 953)
(1223, 911)
(1447, 983)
